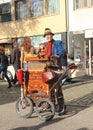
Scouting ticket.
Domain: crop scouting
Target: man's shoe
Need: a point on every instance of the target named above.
(9, 86)
(63, 110)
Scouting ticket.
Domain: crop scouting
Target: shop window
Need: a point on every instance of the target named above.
(38, 39)
(5, 12)
(21, 8)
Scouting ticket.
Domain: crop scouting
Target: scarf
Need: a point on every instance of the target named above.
(49, 48)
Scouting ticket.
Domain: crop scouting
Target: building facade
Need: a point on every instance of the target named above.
(80, 31)
(20, 18)
(70, 20)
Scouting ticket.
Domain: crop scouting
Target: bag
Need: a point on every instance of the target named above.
(48, 76)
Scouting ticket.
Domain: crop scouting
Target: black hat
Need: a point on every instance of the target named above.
(47, 32)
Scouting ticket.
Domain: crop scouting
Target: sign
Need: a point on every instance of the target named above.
(89, 33)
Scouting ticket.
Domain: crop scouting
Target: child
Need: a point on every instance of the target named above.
(42, 51)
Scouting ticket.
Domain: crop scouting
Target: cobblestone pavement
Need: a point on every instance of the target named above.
(79, 99)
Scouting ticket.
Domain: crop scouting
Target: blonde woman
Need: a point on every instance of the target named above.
(26, 48)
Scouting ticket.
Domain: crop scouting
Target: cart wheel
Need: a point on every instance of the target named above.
(24, 107)
(45, 109)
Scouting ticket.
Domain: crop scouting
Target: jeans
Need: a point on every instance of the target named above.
(64, 80)
(4, 70)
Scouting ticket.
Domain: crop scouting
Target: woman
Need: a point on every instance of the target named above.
(4, 65)
(26, 48)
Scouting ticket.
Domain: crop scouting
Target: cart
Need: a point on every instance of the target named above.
(37, 95)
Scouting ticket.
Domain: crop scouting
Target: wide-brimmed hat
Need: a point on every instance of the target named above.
(47, 32)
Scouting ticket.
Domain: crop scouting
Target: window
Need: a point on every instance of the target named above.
(80, 4)
(52, 6)
(85, 3)
(77, 4)
(5, 12)
(38, 39)
(35, 8)
(21, 9)
(92, 2)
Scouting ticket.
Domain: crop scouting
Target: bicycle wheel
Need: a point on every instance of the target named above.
(24, 107)
(45, 109)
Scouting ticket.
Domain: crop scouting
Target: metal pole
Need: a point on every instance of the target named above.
(85, 52)
(90, 57)
(67, 24)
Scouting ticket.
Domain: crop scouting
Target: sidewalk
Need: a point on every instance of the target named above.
(80, 91)
(79, 88)
(79, 99)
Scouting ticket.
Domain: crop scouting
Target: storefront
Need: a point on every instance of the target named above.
(82, 51)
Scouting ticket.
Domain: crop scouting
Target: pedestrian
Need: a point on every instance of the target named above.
(4, 65)
(55, 48)
(26, 48)
(15, 59)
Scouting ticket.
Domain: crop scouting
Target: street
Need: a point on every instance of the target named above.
(78, 97)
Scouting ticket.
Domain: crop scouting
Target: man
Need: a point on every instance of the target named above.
(4, 65)
(55, 48)
(15, 59)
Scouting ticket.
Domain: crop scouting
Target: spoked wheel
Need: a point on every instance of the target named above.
(45, 109)
(24, 107)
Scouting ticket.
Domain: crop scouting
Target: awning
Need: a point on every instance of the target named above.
(6, 41)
